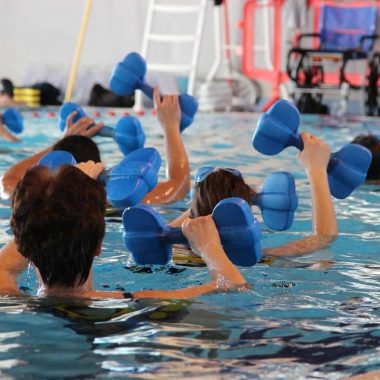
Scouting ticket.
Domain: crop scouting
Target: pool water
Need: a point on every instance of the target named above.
(315, 316)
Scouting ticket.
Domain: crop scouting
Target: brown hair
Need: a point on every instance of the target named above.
(58, 222)
(218, 185)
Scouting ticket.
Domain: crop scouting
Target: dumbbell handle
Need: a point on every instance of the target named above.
(146, 89)
(106, 131)
(296, 141)
(173, 235)
(116, 171)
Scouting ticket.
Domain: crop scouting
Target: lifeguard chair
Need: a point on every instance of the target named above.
(346, 34)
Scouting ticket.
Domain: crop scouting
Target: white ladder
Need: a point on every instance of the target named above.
(154, 7)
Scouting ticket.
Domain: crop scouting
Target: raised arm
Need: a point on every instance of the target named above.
(10, 178)
(203, 238)
(177, 184)
(314, 158)
(12, 263)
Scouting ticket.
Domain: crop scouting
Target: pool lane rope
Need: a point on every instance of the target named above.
(78, 50)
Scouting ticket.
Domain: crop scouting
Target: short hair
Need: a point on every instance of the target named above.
(81, 147)
(372, 143)
(58, 222)
(218, 185)
(6, 87)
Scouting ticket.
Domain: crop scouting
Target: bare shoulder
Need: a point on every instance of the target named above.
(8, 284)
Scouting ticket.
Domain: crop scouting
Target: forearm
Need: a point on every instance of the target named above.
(177, 183)
(225, 276)
(190, 292)
(13, 175)
(323, 211)
(308, 244)
(222, 269)
(177, 160)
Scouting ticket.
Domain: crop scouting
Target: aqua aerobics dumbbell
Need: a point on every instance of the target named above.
(127, 133)
(149, 239)
(128, 76)
(13, 120)
(278, 129)
(277, 200)
(126, 183)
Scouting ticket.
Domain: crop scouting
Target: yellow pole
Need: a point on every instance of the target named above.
(78, 50)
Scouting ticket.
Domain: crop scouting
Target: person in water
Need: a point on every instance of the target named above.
(58, 225)
(77, 141)
(372, 143)
(222, 183)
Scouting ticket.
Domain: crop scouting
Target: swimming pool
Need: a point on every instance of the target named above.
(315, 316)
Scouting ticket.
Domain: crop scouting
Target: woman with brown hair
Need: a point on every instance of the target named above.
(218, 183)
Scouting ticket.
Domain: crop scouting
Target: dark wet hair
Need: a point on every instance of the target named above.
(218, 185)
(58, 222)
(372, 143)
(6, 87)
(81, 147)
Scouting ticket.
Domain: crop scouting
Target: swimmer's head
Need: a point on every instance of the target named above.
(6, 87)
(81, 147)
(372, 143)
(216, 186)
(58, 223)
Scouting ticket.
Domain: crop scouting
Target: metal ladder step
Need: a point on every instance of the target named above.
(168, 68)
(176, 8)
(171, 38)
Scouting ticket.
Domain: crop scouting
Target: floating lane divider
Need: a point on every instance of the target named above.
(277, 129)
(128, 76)
(127, 133)
(126, 183)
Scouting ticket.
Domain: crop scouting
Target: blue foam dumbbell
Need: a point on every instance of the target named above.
(128, 76)
(149, 239)
(278, 128)
(13, 120)
(53, 160)
(127, 182)
(277, 200)
(127, 133)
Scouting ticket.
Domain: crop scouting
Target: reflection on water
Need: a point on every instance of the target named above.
(312, 317)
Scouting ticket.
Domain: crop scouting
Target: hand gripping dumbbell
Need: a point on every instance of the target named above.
(127, 133)
(128, 76)
(278, 128)
(127, 182)
(150, 240)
